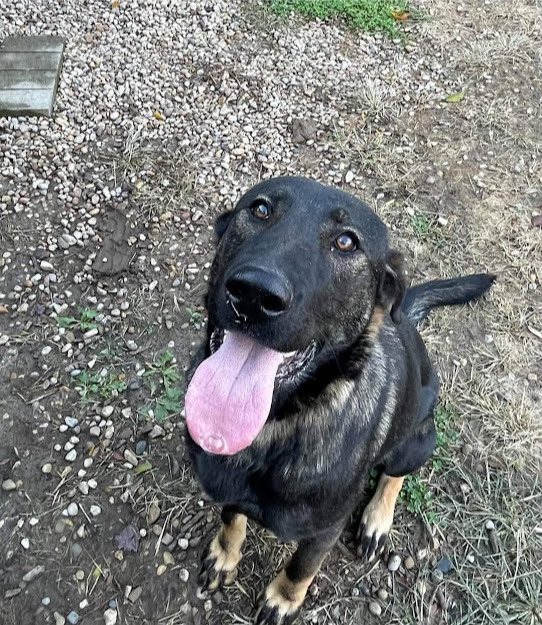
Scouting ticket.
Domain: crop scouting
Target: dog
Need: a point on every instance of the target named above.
(312, 374)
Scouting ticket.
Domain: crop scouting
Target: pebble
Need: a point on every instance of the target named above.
(95, 431)
(73, 617)
(34, 573)
(135, 594)
(46, 266)
(71, 422)
(46, 601)
(77, 550)
(394, 563)
(161, 569)
(141, 447)
(169, 560)
(107, 411)
(184, 574)
(71, 455)
(409, 563)
(9, 485)
(183, 543)
(12, 593)
(59, 619)
(73, 509)
(445, 565)
(84, 488)
(374, 608)
(46, 350)
(110, 617)
(131, 457)
(382, 594)
(25, 543)
(94, 509)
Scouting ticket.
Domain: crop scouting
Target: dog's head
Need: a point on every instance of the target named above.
(299, 271)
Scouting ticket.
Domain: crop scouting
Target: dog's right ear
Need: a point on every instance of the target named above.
(222, 222)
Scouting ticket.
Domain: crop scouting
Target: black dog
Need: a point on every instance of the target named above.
(312, 374)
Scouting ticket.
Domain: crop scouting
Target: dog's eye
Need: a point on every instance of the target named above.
(346, 242)
(261, 211)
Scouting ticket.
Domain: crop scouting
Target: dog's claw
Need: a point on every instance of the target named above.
(371, 543)
(271, 615)
(211, 577)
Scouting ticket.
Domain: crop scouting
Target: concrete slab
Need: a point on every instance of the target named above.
(29, 70)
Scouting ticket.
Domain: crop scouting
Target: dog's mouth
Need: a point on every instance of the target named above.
(230, 395)
(293, 363)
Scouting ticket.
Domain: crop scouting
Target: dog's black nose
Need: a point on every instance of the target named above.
(258, 294)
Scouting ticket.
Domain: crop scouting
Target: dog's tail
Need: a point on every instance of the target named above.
(421, 299)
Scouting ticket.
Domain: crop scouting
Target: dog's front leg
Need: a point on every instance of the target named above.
(285, 594)
(220, 560)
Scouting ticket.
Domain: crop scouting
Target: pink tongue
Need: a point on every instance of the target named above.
(229, 397)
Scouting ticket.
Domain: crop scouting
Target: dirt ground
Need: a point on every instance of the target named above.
(92, 358)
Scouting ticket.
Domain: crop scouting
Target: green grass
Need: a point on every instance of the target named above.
(161, 379)
(366, 15)
(421, 225)
(95, 386)
(416, 493)
(85, 322)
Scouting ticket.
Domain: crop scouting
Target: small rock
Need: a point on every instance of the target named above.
(71, 422)
(430, 180)
(131, 457)
(46, 601)
(107, 411)
(34, 573)
(77, 550)
(73, 617)
(59, 619)
(46, 350)
(73, 509)
(71, 455)
(153, 514)
(409, 563)
(135, 594)
(84, 488)
(80, 575)
(374, 608)
(169, 560)
(184, 574)
(490, 526)
(8, 485)
(110, 617)
(83, 604)
(46, 266)
(157, 431)
(95, 431)
(349, 176)
(94, 509)
(12, 593)
(183, 543)
(394, 563)
(382, 594)
(161, 570)
(25, 543)
(141, 447)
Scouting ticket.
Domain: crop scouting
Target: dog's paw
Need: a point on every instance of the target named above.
(282, 602)
(218, 566)
(373, 530)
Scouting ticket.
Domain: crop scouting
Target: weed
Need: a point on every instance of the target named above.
(421, 224)
(366, 15)
(86, 321)
(416, 493)
(161, 377)
(101, 385)
(196, 318)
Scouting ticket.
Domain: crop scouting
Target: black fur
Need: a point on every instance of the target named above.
(367, 398)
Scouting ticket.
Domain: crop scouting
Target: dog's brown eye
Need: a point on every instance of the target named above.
(346, 242)
(260, 211)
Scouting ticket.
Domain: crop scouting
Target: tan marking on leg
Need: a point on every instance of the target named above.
(226, 550)
(377, 517)
(285, 595)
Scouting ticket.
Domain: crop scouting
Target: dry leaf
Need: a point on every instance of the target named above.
(401, 16)
(455, 97)
(536, 220)
(159, 116)
(115, 4)
(128, 539)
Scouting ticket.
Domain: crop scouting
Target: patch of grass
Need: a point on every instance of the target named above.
(85, 322)
(367, 15)
(104, 384)
(162, 378)
(421, 225)
(416, 493)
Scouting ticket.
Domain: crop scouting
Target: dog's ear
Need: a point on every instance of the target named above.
(392, 287)
(222, 222)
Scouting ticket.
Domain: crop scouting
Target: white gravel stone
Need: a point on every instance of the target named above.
(95, 510)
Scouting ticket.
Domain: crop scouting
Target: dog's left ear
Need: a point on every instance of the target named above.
(392, 287)
(222, 222)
